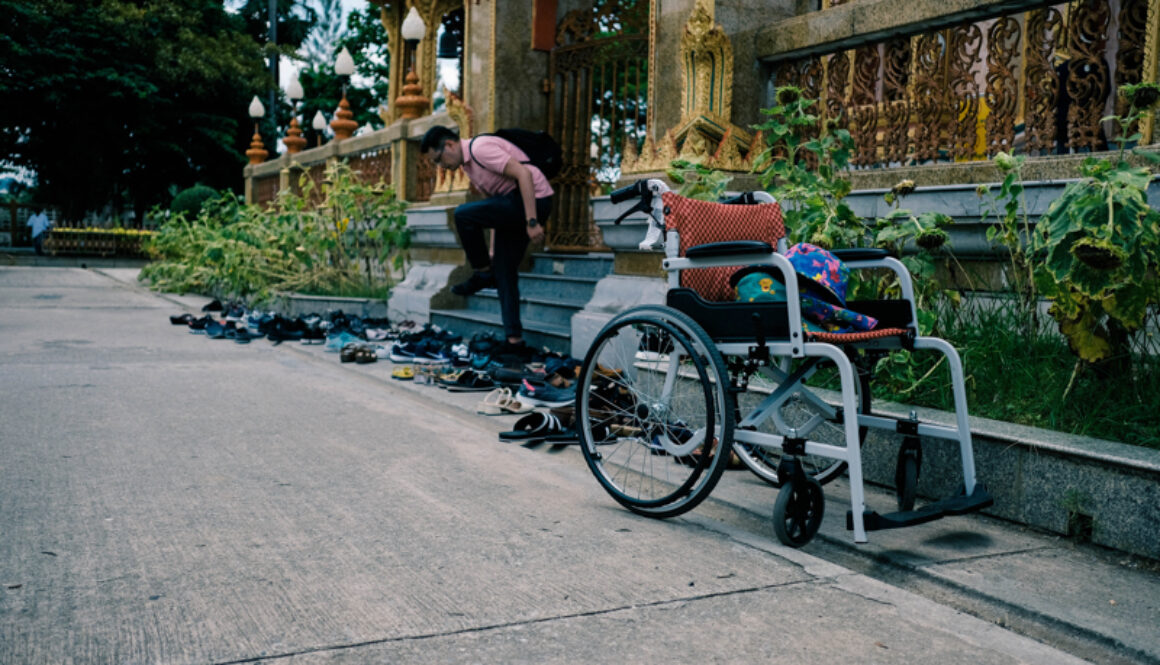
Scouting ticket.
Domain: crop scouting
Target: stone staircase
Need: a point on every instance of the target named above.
(556, 287)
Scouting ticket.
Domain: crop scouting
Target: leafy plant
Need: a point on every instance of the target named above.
(695, 181)
(336, 246)
(1100, 244)
(927, 231)
(190, 201)
(802, 171)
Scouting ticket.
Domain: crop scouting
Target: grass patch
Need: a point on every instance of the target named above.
(1019, 373)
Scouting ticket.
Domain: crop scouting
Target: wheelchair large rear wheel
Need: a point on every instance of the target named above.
(811, 413)
(654, 412)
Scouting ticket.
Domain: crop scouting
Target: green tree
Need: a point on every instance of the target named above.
(366, 39)
(295, 21)
(119, 102)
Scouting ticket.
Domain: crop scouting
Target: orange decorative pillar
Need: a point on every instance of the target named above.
(411, 102)
(257, 152)
(343, 123)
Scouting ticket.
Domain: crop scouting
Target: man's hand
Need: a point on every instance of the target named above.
(536, 233)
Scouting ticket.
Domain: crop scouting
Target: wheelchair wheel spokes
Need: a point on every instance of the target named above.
(808, 412)
(650, 409)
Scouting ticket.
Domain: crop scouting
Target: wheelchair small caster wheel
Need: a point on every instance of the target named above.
(798, 511)
(906, 473)
(907, 482)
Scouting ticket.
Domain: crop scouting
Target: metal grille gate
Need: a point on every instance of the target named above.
(597, 85)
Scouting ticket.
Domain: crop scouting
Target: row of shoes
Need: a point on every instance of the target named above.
(307, 329)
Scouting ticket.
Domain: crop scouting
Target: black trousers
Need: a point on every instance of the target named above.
(505, 214)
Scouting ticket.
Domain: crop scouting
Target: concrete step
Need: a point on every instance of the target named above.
(467, 323)
(572, 265)
(549, 311)
(558, 287)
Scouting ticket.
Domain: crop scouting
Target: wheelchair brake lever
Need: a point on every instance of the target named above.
(641, 206)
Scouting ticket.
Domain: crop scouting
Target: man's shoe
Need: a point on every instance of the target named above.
(479, 280)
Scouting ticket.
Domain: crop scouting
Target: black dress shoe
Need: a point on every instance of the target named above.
(478, 281)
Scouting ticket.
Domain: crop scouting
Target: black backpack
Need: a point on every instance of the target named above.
(542, 150)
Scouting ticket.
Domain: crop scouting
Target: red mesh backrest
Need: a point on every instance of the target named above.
(704, 222)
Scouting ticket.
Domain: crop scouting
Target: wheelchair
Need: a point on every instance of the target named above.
(668, 394)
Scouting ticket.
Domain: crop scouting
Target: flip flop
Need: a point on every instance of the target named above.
(403, 373)
(571, 437)
(492, 404)
(534, 426)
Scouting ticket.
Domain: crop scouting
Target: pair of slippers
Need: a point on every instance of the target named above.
(468, 381)
(501, 402)
(538, 428)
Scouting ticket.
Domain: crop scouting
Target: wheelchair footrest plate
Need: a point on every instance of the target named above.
(955, 505)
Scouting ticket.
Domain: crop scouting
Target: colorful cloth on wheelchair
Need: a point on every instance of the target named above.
(827, 279)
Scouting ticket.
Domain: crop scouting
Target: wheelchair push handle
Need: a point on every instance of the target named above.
(637, 190)
(627, 192)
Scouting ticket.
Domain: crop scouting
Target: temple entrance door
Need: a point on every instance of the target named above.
(598, 91)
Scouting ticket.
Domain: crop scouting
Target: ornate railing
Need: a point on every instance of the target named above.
(266, 188)
(1037, 83)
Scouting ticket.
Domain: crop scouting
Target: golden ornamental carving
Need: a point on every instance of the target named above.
(1045, 35)
(708, 58)
(1151, 63)
(1087, 81)
(391, 16)
(1002, 94)
(966, 43)
(464, 117)
(727, 156)
(705, 135)
(1132, 36)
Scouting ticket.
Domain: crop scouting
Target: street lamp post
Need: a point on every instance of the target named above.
(411, 103)
(319, 125)
(257, 152)
(343, 123)
(293, 140)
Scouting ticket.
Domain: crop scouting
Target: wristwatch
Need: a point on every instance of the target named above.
(532, 222)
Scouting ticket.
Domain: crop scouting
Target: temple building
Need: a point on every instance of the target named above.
(929, 90)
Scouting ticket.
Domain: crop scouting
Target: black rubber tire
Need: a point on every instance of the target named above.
(798, 512)
(634, 468)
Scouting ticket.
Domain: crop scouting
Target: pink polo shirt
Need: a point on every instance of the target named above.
(484, 163)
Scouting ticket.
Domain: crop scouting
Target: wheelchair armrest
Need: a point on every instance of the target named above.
(731, 248)
(860, 253)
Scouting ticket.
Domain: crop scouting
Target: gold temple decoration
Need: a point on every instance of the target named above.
(1045, 34)
(464, 117)
(706, 104)
(391, 15)
(1037, 82)
(1087, 83)
(1151, 64)
(1002, 84)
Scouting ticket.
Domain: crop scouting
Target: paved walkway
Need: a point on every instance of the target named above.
(308, 560)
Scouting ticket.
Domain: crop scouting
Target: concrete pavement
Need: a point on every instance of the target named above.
(165, 498)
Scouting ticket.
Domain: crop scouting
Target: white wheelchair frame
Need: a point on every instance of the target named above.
(798, 345)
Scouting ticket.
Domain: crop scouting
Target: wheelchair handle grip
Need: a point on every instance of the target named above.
(632, 191)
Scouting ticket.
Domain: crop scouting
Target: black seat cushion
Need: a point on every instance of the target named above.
(731, 248)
